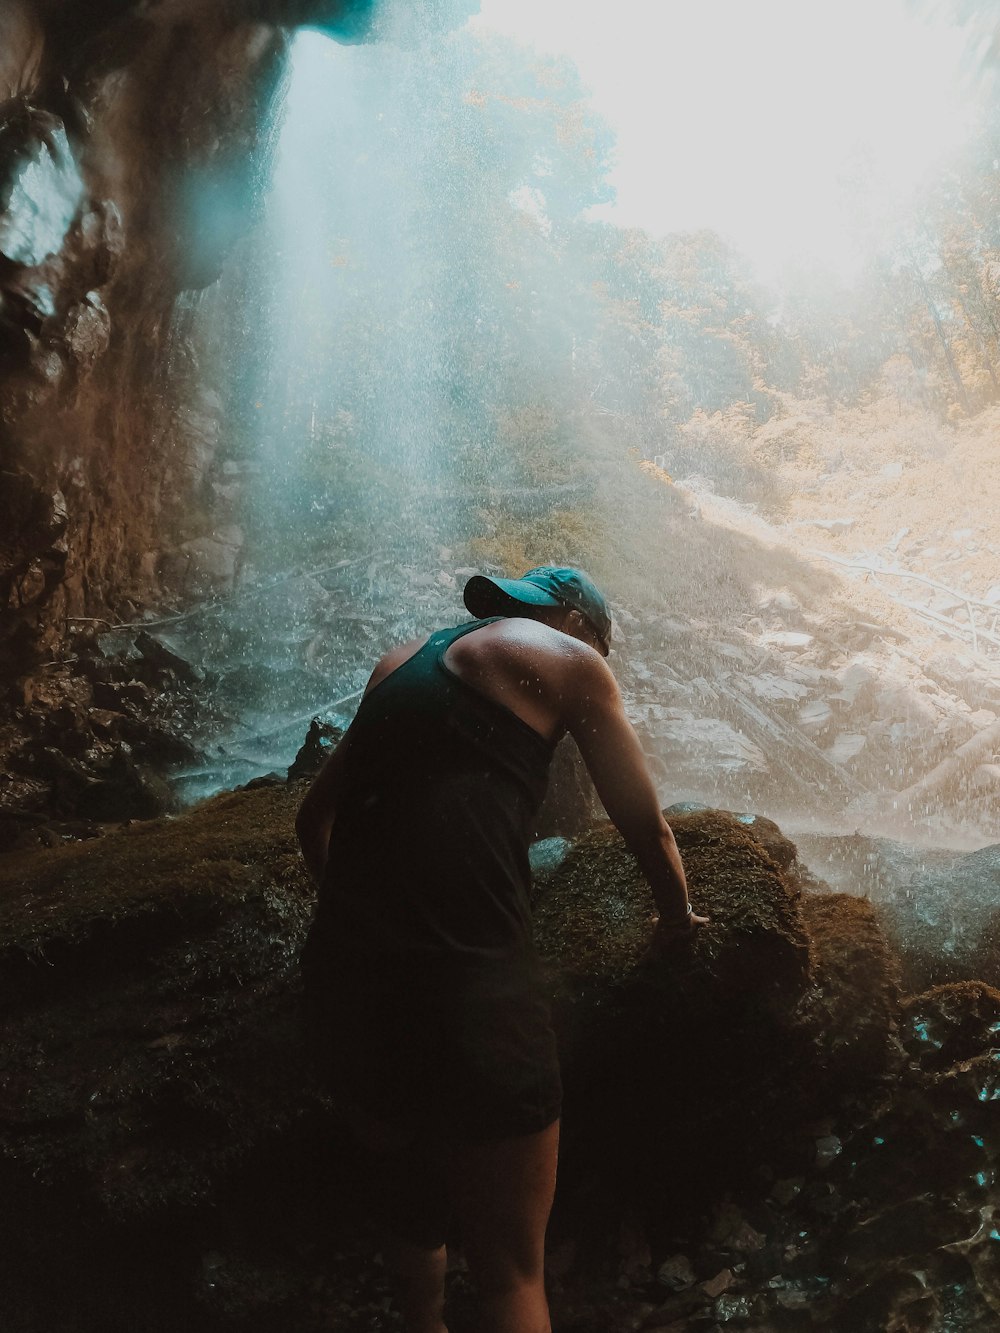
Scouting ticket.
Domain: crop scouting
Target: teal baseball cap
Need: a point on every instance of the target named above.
(548, 585)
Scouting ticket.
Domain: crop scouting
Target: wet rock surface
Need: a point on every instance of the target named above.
(95, 741)
(728, 712)
(945, 921)
(108, 123)
(757, 1132)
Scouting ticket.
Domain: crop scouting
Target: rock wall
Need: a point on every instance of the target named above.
(134, 148)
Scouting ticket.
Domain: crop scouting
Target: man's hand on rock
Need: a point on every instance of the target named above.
(671, 936)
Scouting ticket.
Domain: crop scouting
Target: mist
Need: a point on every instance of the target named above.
(443, 352)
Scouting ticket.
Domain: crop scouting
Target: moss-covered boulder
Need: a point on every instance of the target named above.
(159, 1129)
(686, 1073)
(151, 1075)
(853, 1004)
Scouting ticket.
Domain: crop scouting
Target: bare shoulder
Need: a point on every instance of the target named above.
(393, 658)
(539, 648)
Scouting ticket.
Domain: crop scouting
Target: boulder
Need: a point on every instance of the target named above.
(952, 1023)
(159, 1127)
(570, 804)
(161, 660)
(211, 565)
(755, 1017)
(321, 740)
(945, 922)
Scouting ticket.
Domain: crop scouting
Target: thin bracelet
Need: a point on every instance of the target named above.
(682, 922)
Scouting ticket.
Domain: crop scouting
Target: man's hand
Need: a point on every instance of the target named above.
(670, 938)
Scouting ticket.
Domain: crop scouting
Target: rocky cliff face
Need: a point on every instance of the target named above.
(134, 145)
(131, 153)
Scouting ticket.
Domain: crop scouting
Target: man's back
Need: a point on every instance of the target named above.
(543, 670)
(537, 672)
(441, 787)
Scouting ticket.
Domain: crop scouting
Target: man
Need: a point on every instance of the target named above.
(427, 1006)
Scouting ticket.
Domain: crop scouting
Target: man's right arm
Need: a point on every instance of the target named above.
(318, 811)
(595, 717)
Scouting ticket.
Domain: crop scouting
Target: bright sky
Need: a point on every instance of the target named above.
(747, 115)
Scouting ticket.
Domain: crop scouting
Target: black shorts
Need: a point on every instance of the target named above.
(456, 1067)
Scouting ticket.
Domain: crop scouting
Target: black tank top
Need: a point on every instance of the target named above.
(428, 862)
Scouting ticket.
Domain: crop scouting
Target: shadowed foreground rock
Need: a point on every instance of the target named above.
(166, 1161)
(688, 1073)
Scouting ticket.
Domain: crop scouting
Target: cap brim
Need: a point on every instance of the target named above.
(485, 596)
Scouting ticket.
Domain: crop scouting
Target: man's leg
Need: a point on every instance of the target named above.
(418, 1277)
(411, 1203)
(503, 1194)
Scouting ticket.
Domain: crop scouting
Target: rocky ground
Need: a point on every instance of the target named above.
(763, 1132)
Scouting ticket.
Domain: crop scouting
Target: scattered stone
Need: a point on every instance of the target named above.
(776, 689)
(321, 740)
(815, 716)
(547, 855)
(783, 1192)
(792, 1297)
(676, 1273)
(701, 744)
(857, 683)
(781, 600)
(827, 1148)
(715, 1286)
(787, 639)
(157, 655)
(87, 330)
(729, 1308)
(211, 565)
(847, 746)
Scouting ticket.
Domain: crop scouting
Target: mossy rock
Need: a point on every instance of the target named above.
(854, 1003)
(593, 917)
(685, 1073)
(150, 1030)
(104, 902)
(952, 1023)
(154, 1088)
